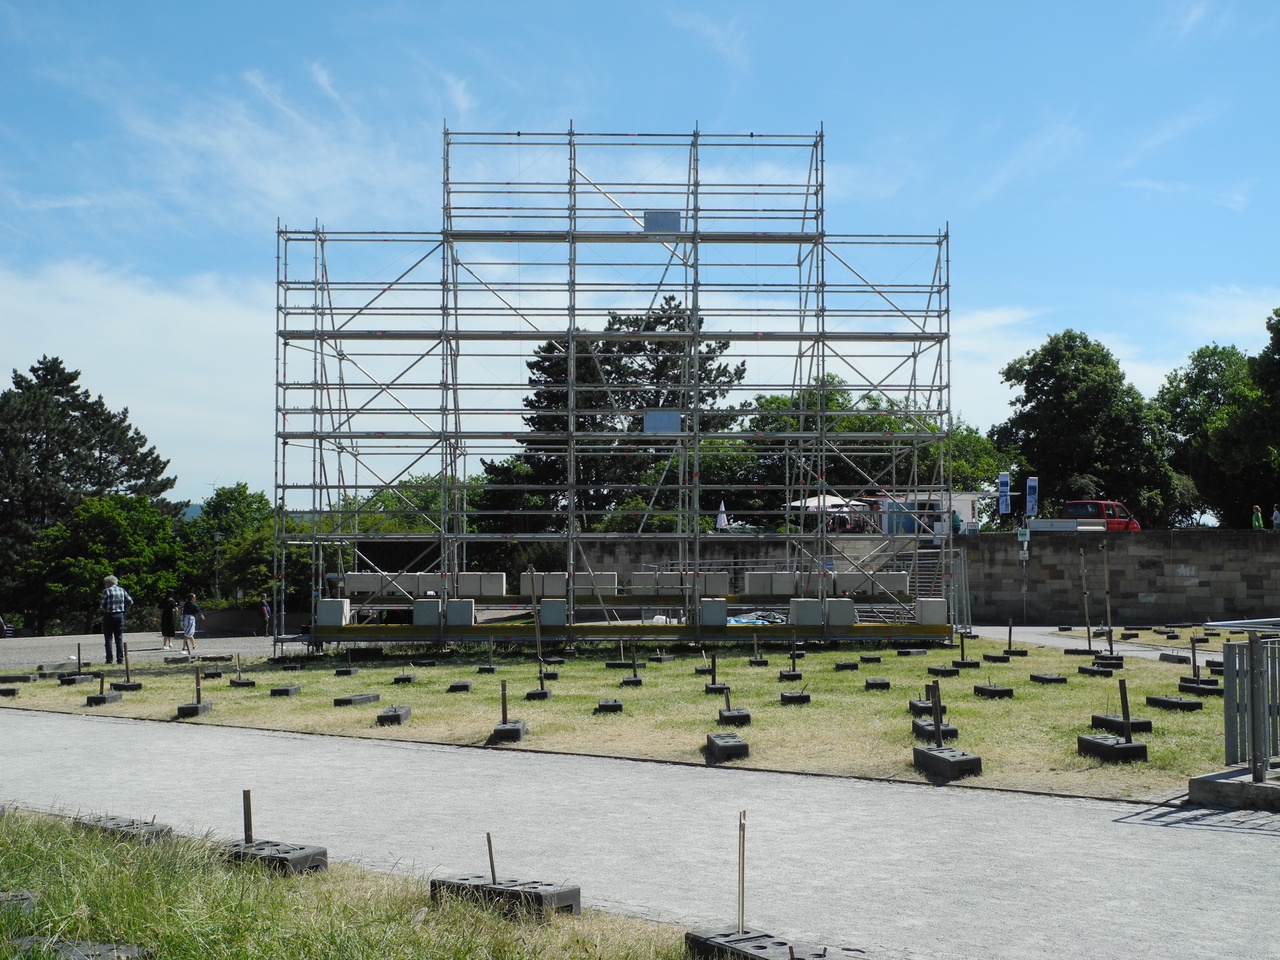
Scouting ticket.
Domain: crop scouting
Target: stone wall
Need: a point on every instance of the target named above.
(1156, 576)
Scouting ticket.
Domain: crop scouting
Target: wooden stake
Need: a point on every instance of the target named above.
(504, 703)
(247, 802)
(936, 697)
(726, 701)
(127, 678)
(1009, 646)
(102, 683)
(713, 668)
(493, 870)
(742, 868)
(238, 676)
(1124, 712)
(79, 660)
(198, 683)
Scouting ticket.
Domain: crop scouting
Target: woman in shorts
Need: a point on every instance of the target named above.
(189, 613)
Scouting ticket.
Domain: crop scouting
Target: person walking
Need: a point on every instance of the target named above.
(168, 620)
(1257, 518)
(115, 602)
(190, 611)
(1275, 517)
(264, 611)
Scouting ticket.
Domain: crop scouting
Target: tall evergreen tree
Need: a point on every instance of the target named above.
(60, 445)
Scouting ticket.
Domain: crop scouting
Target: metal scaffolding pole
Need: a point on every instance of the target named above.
(412, 444)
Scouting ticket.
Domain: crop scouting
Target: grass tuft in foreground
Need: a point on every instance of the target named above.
(180, 899)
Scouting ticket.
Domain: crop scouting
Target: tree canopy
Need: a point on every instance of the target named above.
(1085, 431)
(60, 447)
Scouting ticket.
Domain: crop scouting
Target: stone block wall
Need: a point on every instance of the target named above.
(1156, 576)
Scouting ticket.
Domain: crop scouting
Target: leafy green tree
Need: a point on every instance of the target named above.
(227, 547)
(60, 446)
(1085, 431)
(1206, 402)
(113, 534)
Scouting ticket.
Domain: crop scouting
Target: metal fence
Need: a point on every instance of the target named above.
(1239, 692)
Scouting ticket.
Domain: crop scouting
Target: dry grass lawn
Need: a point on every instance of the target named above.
(1028, 742)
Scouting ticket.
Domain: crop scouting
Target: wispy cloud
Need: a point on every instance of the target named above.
(1040, 153)
(983, 342)
(727, 37)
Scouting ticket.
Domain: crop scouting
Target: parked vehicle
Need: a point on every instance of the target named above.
(1116, 515)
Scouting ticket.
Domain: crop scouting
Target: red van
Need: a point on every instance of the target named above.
(1116, 515)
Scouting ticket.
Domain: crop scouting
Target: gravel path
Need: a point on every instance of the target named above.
(897, 870)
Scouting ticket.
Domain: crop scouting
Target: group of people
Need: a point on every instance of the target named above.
(116, 602)
(1258, 523)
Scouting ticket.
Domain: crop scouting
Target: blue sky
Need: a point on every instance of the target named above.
(1109, 167)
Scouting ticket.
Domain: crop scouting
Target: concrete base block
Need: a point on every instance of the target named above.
(944, 671)
(847, 665)
(285, 857)
(538, 695)
(632, 681)
(459, 686)
(394, 716)
(623, 664)
(188, 710)
(291, 667)
(877, 683)
(923, 730)
(356, 699)
(1183, 704)
(1015, 652)
(731, 945)
(992, 692)
(945, 763)
(529, 895)
(75, 679)
(423, 664)
(1234, 788)
(146, 831)
(550, 674)
(1109, 748)
(512, 731)
(56, 949)
(789, 676)
(8, 691)
(735, 717)
(1200, 689)
(716, 689)
(758, 662)
(287, 691)
(404, 678)
(995, 657)
(912, 652)
(346, 671)
(1048, 678)
(21, 900)
(243, 684)
(486, 668)
(101, 699)
(966, 664)
(1175, 658)
(870, 658)
(1095, 671)
(663, 658)
(210, 674)
(702, 670)
(725, 746)
(1113, 724)
(795, 698)
(923, 708)
(608, 706)
(19, 678)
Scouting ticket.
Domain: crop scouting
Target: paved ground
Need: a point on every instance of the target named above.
(898, 870)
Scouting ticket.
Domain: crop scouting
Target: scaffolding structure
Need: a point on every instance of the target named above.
(721, 382)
